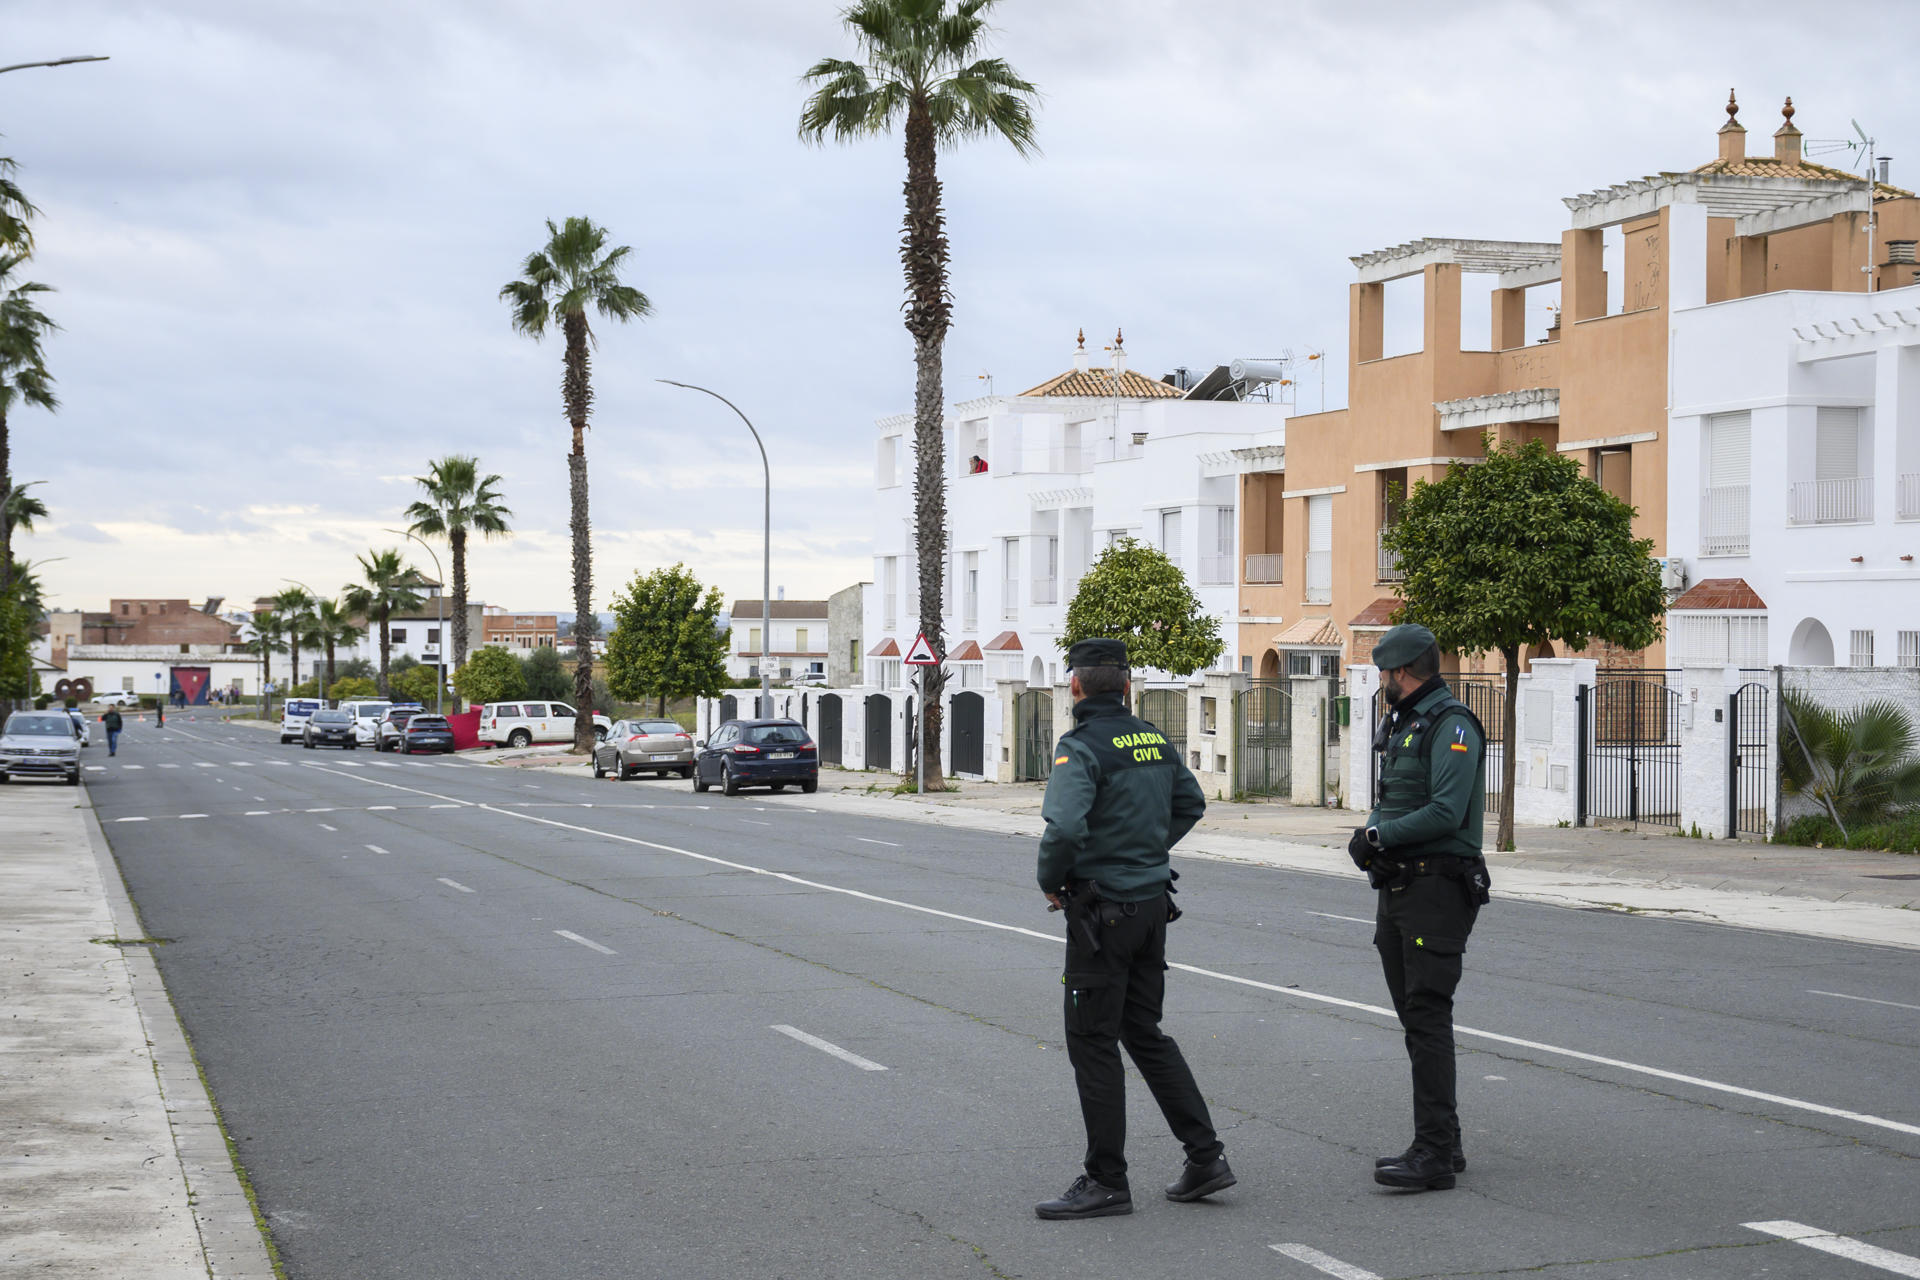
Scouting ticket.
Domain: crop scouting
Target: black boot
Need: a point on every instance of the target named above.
(1419, 1170)
(1459, 1160)
(1087, 1199)
(1197, 1180)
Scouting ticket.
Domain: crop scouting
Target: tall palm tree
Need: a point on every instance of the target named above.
(919, 68)
(20, 508)
(24, 380)
(333, 625)
(558, 283)
(15, 211)
(382, 590)
(269, 638)
(458, 501)
(295, 607)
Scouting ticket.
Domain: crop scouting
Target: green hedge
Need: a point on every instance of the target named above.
(1901, 835)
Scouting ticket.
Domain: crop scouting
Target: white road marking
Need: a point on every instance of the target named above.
(1322, 1263)
(169, 766)
(754, 821)
(385, 764)
(241, 764)
(129, 819)
(586, 942)
(374, 848)
(133, 766)
(449, 806)
(391, 786)
(827, 1046)
(261, 799)
(205, 764)
(863, 840)
(1840, 1246)
(320, 811)
(454, 884)
(193, 815)
(259, 813)
(1330, 916)
(325, 827)
(1841, 995)
(96, 768)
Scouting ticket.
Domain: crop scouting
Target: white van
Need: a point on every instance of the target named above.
(523, 723)
(293, 717)
(366, 720)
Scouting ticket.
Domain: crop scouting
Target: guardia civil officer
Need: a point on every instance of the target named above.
(1117, 799)
(1421, 850)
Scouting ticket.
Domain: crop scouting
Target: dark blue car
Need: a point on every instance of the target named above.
(757, 753)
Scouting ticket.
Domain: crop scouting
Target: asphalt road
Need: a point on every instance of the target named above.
(466, 1021)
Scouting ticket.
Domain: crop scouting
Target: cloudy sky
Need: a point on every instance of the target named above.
(278, 228)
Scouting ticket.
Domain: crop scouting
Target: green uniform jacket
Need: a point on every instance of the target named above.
(1433, 779)
(1118, 798)
(111, 721)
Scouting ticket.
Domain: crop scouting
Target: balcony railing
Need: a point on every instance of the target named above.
(1263, 568)
(889, 617)
(1848, 501)
(1909, 504)
(1216, 571)
(1387, 563)
(1045, 591)
(1724, 521)
(970, 616)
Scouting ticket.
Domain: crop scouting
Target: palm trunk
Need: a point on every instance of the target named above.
(293, 642)
(322, 690)
(577, 389)
(1509, 716)
(458, 538)
(6, 519)
(923, 255)
(386, 648)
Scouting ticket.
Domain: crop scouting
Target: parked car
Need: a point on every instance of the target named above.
(293, 716)
(387, 735)
(330, 728)
(80, 729)
(757, 753)
(366, 720)
(521, 724)
(39, 744)
(631, 746)
(118, 698)
(427, 732)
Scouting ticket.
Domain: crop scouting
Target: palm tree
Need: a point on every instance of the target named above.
(295, 608)
(20, 508)
(24, 379)
(559, 282)
(269, 638)
(919, 68)
(14, 211)
(458, 500)
(333, 625)
(1862, 766)
(383, 590)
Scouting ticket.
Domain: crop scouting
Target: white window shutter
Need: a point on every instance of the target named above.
(1836, 444)
(1729, 449)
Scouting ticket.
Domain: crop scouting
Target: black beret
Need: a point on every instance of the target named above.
(1097, 653)
(1401, 646)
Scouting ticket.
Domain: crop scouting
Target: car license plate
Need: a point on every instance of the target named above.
(781, 755)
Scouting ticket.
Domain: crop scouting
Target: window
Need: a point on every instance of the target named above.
(163, 606)
(1010, 578)
(1861, 649)
(433, 635)
(1170, 534)
(126, 684)
(1320, 549)
(399, 635)
(890, 593)
(800, 639)
(1909, 649)
(1246, 663)
(886, 467)
(970, 603)
(1724, 503)
(753, 640)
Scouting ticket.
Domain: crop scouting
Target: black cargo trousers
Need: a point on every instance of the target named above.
(1421, 933)
(1113, 997)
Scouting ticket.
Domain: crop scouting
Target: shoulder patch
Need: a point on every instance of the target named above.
(1063, 759)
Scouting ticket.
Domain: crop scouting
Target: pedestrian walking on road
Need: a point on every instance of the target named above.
(1421, 849)
(112, 723)
(1117, 799)
(159, 713)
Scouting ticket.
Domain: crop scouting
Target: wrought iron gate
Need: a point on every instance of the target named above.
(969, 733)
(830, 735)
(729, 708)
(1033, 729)
(1749, 751)
(1632, 750)
(1166, 710)
(1263, 713)
(1486, 697)
(879, 725)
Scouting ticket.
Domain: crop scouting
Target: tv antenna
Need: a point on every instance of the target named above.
(1861, 153)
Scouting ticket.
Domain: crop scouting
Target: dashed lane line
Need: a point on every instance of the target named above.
(325, 827)
(589, 943)
(1330, 916)
(1323, 1263)
(1841, 995)
(1840, 1246)
(828, 1046)
(129, 819)
(453, 884)
(864, 840)
(374, 848)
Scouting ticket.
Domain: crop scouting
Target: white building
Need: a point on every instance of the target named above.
(1037, 484)
(1794, 482)
(797, 648)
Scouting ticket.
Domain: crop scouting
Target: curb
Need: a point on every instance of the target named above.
(232, 1236)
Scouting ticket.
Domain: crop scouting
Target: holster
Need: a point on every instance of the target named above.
(1083, 900)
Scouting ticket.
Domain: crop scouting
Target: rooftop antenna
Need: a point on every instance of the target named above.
(988, 379)
(1859, 148)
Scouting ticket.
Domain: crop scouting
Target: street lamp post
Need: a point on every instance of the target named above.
(766, 549)
(440, 613)
(57, 62)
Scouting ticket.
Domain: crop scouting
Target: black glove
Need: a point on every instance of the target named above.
(1359, 849)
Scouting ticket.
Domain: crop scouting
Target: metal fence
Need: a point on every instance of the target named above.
(1630, 727)
(1486, 697)
(1166, 710)
(1033, 729)
(1749, 759)
(1263, 713)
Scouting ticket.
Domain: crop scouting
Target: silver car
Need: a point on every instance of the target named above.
(40, 744)
(634, 746)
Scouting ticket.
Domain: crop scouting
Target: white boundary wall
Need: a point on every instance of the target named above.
(804, 705)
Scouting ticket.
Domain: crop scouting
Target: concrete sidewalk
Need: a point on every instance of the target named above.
(112, 1158)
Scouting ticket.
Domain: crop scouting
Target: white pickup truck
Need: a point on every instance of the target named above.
(523, 723)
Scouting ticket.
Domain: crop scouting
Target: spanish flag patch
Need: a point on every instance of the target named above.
(1059, 759)
(1456, 746)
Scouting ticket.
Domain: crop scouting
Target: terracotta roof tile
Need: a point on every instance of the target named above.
(1768, 167)
(888, 648)
(1005, 640)
(749, 610)
(1100, 384)
(1719, 593)
(1317, 632)
(1377, 614)
(969, 651)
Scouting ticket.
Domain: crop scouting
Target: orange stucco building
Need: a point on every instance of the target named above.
(1316, 589)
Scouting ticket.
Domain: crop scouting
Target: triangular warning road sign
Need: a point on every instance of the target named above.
(921, 654)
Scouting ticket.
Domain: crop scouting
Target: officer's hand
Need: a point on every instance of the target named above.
(1054, 903)
(1359, 849)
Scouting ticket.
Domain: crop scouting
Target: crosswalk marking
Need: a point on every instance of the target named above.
(1860, 1251)
(1323, 1263)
